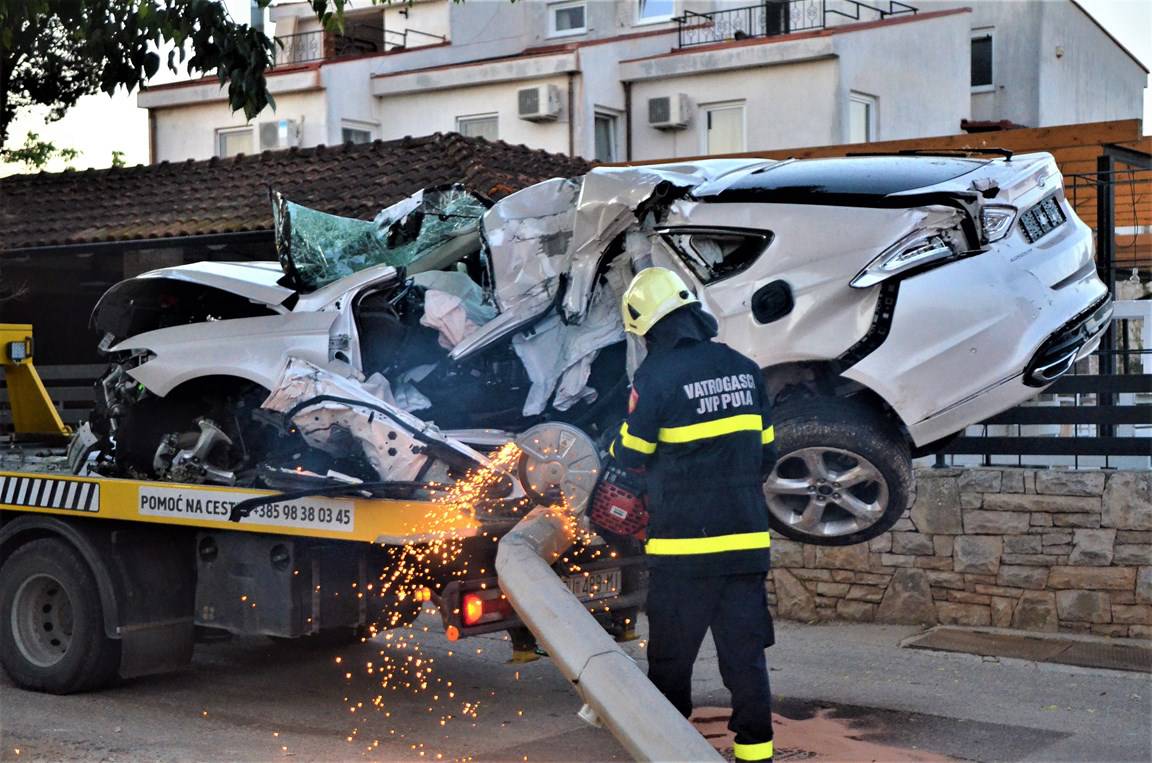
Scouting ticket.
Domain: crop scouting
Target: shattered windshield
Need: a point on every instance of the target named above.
(316, 248)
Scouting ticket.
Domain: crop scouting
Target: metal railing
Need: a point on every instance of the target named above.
(1087, 418)
(772, 18)
(357, 39)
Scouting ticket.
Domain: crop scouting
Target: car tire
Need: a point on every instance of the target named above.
(52, 623)
(844, 473)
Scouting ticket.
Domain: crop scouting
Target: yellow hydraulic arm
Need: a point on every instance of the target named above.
(32, 408)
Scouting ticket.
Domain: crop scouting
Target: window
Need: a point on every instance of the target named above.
(982, 60)
(861, 118)
(651, 11)
(356, 132)
(713, 254)
(605, 137)
(566, 18)
(723, 128)
(234, 140)
(478, 126)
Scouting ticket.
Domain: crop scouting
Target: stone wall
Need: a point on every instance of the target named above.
(1042, 550)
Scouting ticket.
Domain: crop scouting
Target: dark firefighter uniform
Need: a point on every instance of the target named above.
(699, 424)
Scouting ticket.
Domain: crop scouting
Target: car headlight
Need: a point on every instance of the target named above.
(918, 250)
(996, 222)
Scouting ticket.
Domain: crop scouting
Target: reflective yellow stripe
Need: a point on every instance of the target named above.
(768, 436)
(743, 423)
(761, 751)
(713, 545)
(633, 442)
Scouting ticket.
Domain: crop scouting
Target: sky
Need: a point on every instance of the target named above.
(99, 124)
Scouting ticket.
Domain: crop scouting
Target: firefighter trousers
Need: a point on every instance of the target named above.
(681, 609)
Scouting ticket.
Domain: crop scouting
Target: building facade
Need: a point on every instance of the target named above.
(616, 80)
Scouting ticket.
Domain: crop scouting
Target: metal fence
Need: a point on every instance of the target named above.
(776, 17)
(1087, 418)
(72, 389)
(357, 39)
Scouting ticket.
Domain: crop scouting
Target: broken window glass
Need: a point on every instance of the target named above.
(712, 255)
(316, 248)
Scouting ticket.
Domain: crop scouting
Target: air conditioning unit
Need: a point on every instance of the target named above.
(282, 133)
(669, 112)
(539, 104)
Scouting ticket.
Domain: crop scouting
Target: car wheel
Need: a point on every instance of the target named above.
(51, 622)
(843, 476)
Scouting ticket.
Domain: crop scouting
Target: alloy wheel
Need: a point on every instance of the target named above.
(826, 492)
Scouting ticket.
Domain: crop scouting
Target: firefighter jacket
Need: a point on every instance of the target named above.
(698, 421)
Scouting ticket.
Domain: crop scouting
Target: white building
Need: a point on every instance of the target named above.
(642, 79)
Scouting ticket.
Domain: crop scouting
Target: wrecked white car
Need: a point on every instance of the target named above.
(890, 300)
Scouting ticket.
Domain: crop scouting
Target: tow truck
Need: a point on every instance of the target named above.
(102, 578)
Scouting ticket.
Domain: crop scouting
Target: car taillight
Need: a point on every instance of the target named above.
(928, 247)
(996, 221)
(473, 609)
(479, 607)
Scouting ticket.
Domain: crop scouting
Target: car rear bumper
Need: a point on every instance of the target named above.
(1063, 348)
(1056, 356)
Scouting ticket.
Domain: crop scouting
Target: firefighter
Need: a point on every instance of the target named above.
(698, 423)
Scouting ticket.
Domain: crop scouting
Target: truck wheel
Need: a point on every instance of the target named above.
(51, 622)
(844, 474)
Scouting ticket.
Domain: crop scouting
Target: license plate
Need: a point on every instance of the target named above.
(597, 584)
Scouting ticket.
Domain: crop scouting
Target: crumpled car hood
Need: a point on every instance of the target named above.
(257, 281)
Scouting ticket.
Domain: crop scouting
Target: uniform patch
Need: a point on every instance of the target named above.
(722, 393)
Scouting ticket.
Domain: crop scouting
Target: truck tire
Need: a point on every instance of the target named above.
(844, 473)
(51, 621)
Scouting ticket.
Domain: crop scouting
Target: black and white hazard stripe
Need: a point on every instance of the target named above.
(47, 493)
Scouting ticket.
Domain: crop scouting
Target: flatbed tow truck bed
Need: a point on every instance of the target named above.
(103, 578)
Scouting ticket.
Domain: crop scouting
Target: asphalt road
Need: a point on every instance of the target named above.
(251, 699)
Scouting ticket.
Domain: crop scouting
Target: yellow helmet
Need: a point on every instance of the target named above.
(653, 293)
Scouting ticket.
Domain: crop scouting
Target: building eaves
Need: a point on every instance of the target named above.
(296, 68)
(536, 52)
(467, 64)
(280, 70)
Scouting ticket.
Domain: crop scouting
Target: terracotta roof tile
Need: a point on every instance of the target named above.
(231, 195)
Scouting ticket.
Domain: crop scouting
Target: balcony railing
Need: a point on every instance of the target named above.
(776, 17)
(357, 39)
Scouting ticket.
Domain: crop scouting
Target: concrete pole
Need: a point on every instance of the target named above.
(605, 677)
